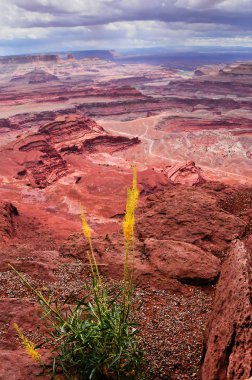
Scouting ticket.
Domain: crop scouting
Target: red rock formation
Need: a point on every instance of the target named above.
(208, 69)
(41, 162)
(8, 214)
(109, 144)
(125, 91)
(215, 85)
(175, 123)
(41, 154)
(159, 264)
(177, 232)
(151, 180)
(70, 131)
(188, 174)
(75, 133)
(56, 91)
(17, 359)
(181, 261)
(166, 261)
(228, 349)
(192, 215)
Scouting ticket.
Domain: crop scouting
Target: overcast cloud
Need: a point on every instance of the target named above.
(57, 25)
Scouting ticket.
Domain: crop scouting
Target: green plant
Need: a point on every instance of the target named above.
(97, 337)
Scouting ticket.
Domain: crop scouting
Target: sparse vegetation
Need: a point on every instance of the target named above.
(96, 338)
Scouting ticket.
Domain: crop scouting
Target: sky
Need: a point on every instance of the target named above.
(31, 26)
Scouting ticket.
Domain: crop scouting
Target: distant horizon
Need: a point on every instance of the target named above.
(146, 50)
(56, 25)
(188, 60)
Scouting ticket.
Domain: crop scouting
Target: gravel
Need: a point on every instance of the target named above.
(171, 324)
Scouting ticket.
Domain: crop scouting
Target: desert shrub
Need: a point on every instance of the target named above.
(96, 338)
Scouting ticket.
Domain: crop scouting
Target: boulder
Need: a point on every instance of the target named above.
(181, 261)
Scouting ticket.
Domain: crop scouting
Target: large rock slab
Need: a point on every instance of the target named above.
(228, 348)
(191, 215)
(181, 261)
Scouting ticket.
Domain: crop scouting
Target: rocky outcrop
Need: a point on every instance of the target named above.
(228, 347)
(159, 263)
(70, 131)
(188, 174)
(151, 180)
(41, 163)
(183, 124)
(8, 215)
(108, 144)
(191, 215)
(42, 155)
(75, 133)
(182, 234)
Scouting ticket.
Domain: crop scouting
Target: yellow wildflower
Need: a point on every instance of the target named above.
(134, 182)
(135, 192)
(129, 219)
(91, 258)
(28, 346)
(128, 226)
(85, 227)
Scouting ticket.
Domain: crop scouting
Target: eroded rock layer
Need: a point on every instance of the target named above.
(41, 155)
(41, 163)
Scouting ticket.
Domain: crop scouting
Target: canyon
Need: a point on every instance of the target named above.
(70, 131)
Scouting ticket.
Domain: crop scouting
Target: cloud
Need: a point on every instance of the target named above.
(82, 24)
(198, 4)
